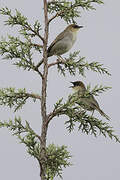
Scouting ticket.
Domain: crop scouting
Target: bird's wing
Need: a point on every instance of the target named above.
(96, 105)
(89, 102)
(57, 39)
(94, 102)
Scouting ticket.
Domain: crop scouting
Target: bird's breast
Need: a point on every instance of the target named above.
(69, 40)
(72, 37)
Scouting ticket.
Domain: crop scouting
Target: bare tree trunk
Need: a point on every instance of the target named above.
(43, 98)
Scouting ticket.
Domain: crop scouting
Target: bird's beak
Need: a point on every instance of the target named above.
(71, 86)
(80, 26)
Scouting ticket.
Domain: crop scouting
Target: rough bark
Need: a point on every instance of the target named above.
(43, 98)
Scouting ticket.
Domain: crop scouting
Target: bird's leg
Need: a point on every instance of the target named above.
(60, 59)
(92, 113)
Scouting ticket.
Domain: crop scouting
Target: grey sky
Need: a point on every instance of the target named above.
(93, 158)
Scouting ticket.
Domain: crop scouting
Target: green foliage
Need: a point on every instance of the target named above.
(75, 63)
(10, 98)
(57, 158)
(13, 19)
(14, 48)
(90, 125)
(78, 116)
(29, 32)
(25, 134)
(22, 21)
(69, 10)
(96, 90)
(15, 99)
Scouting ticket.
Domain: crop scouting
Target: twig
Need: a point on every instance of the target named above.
(39, 64)
(39, 137)
(37, 45)
(27, 95)
(54, 113)
(33, 96)
(52, 18)
(20, 104)
(55, 63)
(35, 33)
(59, 61)
(36, 69)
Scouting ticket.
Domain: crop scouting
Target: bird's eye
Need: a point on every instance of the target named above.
(76, 26)
(76, 83)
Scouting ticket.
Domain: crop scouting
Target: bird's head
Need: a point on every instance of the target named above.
(73, 27)
(78, 86)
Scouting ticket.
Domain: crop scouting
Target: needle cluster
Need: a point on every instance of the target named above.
(15, 99)
(69, 10)
(75, 63)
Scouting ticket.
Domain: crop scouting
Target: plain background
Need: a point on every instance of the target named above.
(99, 40)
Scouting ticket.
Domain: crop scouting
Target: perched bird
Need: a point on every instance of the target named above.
(89, 103)
(64, 41)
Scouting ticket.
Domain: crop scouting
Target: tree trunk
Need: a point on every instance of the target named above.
(43, 98)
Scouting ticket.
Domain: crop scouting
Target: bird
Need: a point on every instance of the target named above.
(88, 103)
(64, 41)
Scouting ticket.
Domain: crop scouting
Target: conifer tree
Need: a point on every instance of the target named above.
(19, 50)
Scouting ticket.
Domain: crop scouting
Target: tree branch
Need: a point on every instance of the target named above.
(77, 63)
(56, 15)
(36, 69)
(36, 45)
(86, 123)
(58, 61)
(19, 19)
(33, 96)
(16, 99)
(69, 10)
(28, 26)
(39, 64)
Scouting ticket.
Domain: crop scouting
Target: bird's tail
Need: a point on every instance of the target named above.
(103, 114)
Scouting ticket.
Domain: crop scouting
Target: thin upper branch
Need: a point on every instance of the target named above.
(55, 63)
(36, 45)
(56, 15)
(39, 137)
(58, 61)
(54, 113)
(36, 96)
(35, 32)
(39, 64)
(27, 95)
(36, 69)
